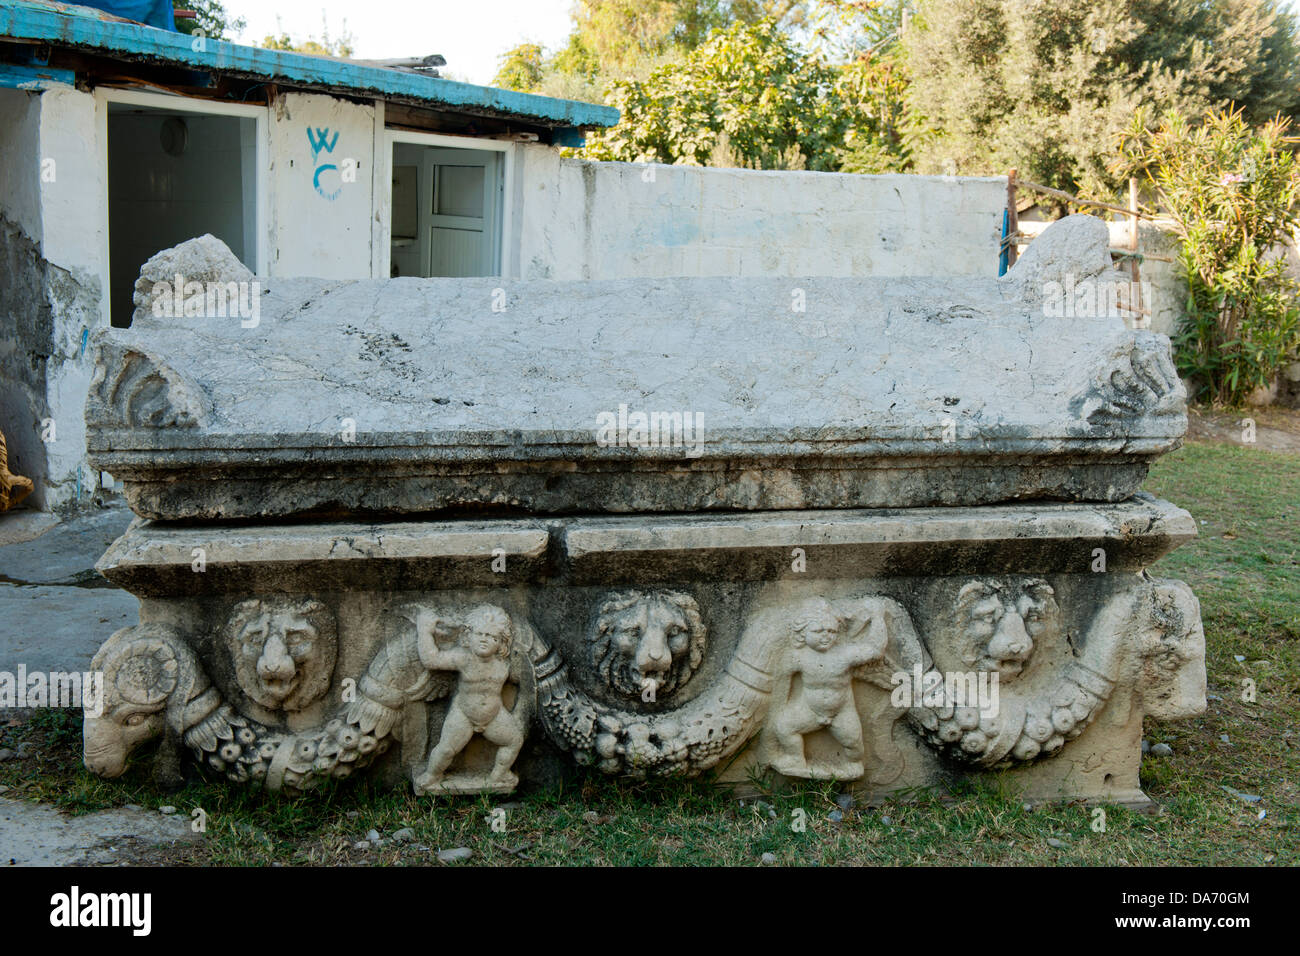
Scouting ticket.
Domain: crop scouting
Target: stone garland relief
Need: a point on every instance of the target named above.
(489, 677)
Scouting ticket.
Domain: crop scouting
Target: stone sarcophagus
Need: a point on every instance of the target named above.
(467, 535)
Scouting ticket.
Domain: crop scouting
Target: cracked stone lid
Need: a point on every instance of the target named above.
(237, 397)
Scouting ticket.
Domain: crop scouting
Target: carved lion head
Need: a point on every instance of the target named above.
(283, 649)
(644, 639)
(1000, 620)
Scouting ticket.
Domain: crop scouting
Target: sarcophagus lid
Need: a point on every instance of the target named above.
(286, 397)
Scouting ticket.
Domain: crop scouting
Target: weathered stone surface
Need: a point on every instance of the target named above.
(464, 587)
(416, 395)
(790, 664)
(160, 559)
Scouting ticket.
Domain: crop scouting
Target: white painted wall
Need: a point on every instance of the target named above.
(74, 224)
(20, 190)
(73, 211)
(321, 225)
(1163, 291)
(576, 219)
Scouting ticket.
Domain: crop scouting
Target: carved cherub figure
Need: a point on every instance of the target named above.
(481, 659)
(814, 689)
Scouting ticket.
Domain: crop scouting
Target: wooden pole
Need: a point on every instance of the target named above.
(1049, 191)
(1136, 293)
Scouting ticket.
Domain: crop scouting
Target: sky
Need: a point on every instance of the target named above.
(471, 34)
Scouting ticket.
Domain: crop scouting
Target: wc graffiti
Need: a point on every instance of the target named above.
(345, 171)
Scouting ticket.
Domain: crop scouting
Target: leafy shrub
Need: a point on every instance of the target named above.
(1231, 192)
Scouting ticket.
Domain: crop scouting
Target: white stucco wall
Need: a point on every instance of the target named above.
(1163, 290)
(20, 201)
(74, 222)
(73, 209)
(576, 219)
(321, 223)
(53, 189)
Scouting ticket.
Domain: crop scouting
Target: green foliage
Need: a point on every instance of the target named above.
(628, 38)
(876, 139)
(723, 156)
(753, 85)
(727, 83)
(211, 18)
(1047, 85)
(1232, 194)
(323, 45)
(576, 59)
(520, 68)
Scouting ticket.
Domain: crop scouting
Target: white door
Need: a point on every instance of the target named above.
(460, 199)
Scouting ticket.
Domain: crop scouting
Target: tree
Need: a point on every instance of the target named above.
(626, 39)
(1047, 85)
(769, 84)
(211, 18)
(521, 68)
(322, 46)
(749, 96)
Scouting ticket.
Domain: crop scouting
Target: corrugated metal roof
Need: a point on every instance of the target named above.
(76, 27)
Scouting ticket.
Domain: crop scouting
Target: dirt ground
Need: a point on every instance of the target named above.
(1276, 429)
(32, 834)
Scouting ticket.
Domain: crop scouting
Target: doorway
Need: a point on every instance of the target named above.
(447, 211)
(175, 175)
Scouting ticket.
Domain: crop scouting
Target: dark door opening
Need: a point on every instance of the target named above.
(173, 176)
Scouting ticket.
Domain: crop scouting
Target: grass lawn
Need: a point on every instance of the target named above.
(1245, 567)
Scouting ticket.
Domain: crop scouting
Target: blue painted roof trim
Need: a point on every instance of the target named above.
(18, 77)
(72, 26)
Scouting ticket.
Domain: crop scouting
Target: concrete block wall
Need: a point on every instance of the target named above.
(577, 219)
